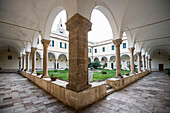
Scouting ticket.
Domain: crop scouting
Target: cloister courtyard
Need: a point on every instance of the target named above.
(85, 56)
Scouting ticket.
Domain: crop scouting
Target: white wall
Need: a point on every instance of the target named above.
(159, 59)
(6, 64)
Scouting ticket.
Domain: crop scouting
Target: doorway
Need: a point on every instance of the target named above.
(161, 67)
(112, 65)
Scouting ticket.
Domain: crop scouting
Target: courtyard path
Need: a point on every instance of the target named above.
(149, 94)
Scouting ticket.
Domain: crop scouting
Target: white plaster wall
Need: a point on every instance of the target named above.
(9, 64)
(159, 59)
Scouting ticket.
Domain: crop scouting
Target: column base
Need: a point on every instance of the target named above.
(79, 87)
(45, 76)
(118, 75)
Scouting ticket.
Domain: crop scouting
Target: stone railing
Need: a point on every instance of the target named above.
(78, 100)
(119, 83)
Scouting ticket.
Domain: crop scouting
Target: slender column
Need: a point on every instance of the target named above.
(78, 28)
(27, 60)
(132, 59)
(45, 43)
(23, 62)
(150, 63)
(41, 65)
(117, 43)
(143, 62)
(33, 51)
(147, 62)
(56, 63)
(139, 61)
(19, 63)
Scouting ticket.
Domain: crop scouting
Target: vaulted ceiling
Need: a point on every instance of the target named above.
(146, 22)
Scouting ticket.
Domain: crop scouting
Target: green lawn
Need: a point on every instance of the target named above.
(63, 74)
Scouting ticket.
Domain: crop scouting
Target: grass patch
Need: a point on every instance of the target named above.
(97, 76)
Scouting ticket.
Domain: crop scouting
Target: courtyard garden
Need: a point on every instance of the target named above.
(97, 74)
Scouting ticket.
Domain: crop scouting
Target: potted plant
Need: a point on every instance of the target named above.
(38, 74)
(127, 74)
(53, 78)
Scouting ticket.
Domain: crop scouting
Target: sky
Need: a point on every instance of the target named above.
(100, 30)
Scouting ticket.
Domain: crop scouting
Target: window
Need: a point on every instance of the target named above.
(9, 57)
(38, 41)
(95, 50)
(65, 45)
(124, 45)
(52, 43)
(113, 47)
(103, 49)
(89, 50)
(60, 44)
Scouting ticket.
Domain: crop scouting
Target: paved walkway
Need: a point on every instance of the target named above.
(149, 94)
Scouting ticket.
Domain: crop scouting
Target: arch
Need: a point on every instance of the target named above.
(106, 11)
(112, 58)
(104, 59)
(50, 21)
(40, 53)
(96, 59)
(125, 61)
(62, 62)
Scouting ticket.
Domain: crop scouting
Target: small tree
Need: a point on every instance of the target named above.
(94, 64)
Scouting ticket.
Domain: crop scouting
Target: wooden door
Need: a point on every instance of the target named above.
(161, 67)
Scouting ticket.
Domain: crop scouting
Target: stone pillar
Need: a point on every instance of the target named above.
(117, 43)
(23, 61)
(147, 62)
(45, 43)
(19, 63)
(150, 63)
(27, 60)
(78, 28)
(41, 65)
(131, 60)
(143, 62)
(139, 61)
(56, 63)
(33, 51)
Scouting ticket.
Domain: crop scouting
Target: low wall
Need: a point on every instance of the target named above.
(78, 100)
(119, 83)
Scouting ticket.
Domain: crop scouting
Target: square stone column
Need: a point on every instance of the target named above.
(78, 28)
(27, 60)
(143, 62)
(23, 61)
(117, 43)
(33, 51)
(131, 60)
(56, 63)
(45, 43)
(139, 61)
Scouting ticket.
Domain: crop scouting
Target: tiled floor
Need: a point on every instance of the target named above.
(149, 94)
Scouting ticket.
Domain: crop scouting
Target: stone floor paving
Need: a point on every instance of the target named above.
(150, 94)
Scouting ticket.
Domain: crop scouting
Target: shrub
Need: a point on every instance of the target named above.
(167, 71)
(55, 70)
(66, 69)
(103, 72)
(95, 65)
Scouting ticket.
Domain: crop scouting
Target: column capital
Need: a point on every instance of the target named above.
(131, 49)
(33, 49)
(78, 21)
(117, 42)
(138, 53)
(143, 55)
(23, 55)
(150, 59)
(27, 52)
(45, 42)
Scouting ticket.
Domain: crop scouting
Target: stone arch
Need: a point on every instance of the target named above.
(50, 21)
(51, 60)
(96, 59)
(125, 61)
(106, 11)
(62, 62)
